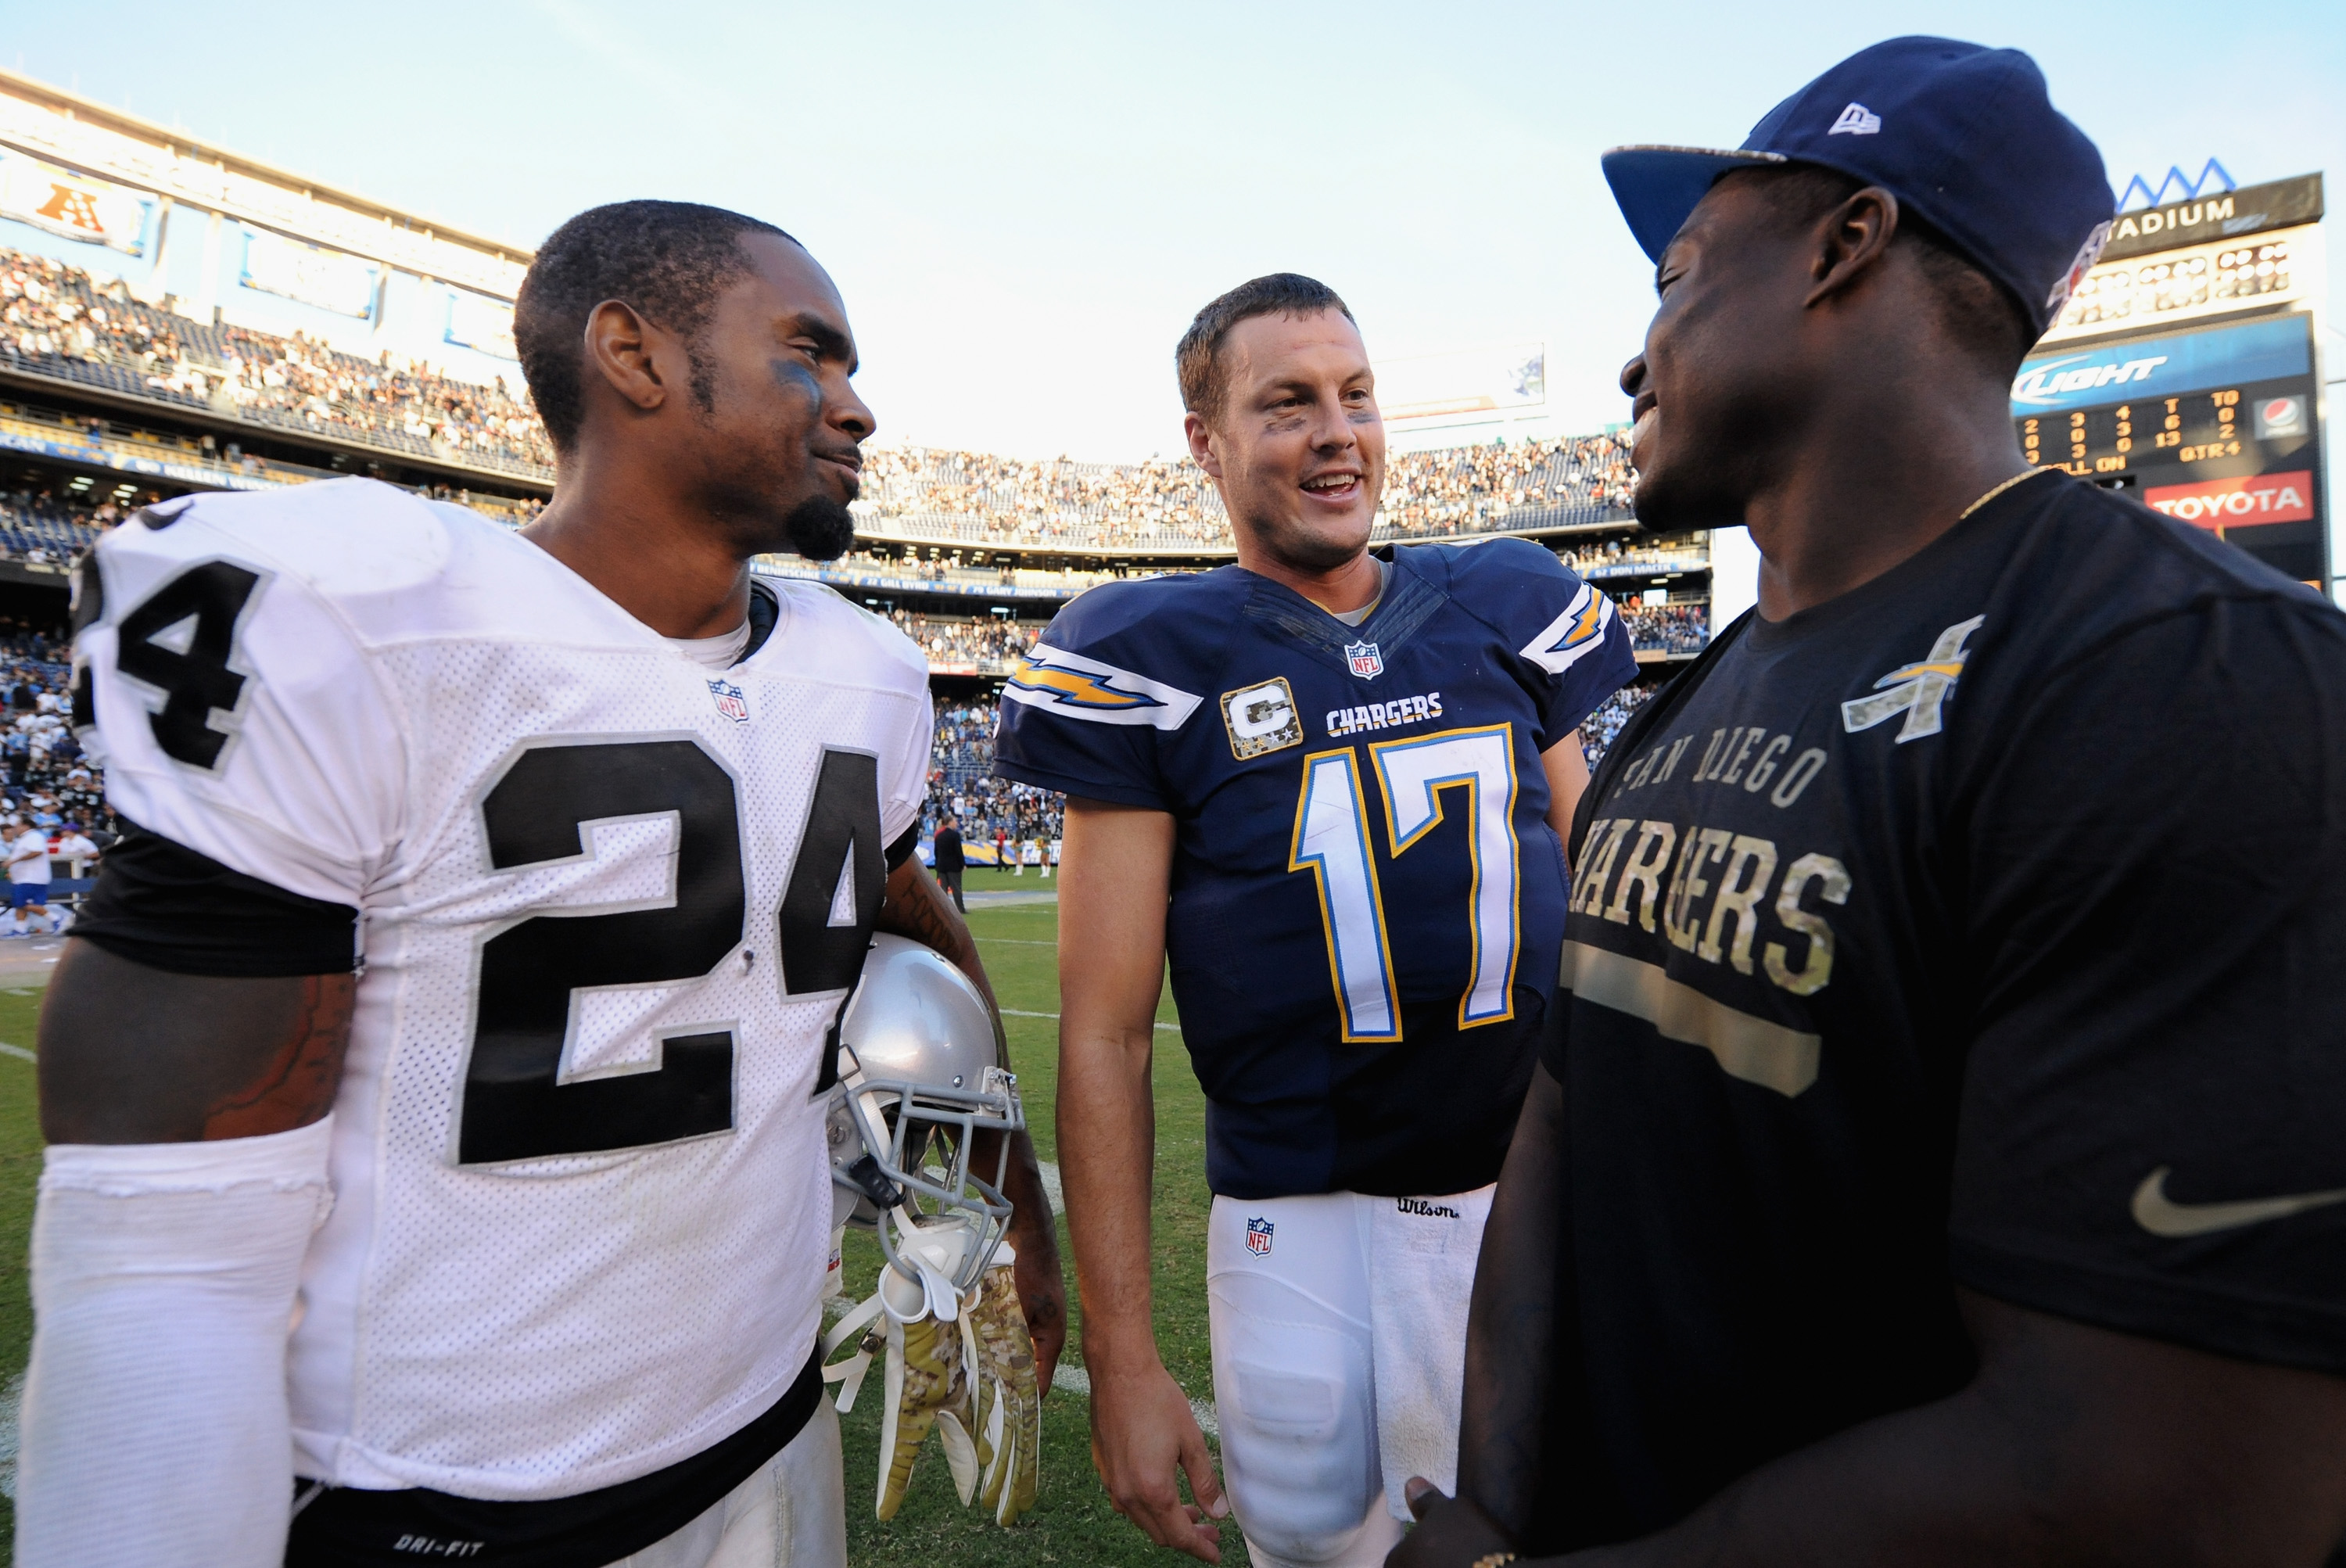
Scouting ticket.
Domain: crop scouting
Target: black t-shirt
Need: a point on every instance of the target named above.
(1985, 925)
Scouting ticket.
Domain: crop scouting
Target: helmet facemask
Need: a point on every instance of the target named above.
(918, 1087)
(914, 1144)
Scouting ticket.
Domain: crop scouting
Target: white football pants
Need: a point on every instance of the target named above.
(792, 1513)
(1331, 1391)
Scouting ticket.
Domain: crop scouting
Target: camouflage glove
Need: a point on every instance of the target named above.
(1009, 1404)
(928, 1365)
(927, 1378)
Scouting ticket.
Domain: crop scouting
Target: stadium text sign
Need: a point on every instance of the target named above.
(2250, 499)
(2218, 215)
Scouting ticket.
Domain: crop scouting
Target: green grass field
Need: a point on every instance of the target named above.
(1072, 1522)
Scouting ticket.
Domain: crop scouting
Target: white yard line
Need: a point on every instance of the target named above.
(17, 1051)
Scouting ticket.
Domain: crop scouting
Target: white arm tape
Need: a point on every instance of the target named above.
(156, 1428)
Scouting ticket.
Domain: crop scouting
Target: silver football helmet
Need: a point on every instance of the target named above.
(918, 1081)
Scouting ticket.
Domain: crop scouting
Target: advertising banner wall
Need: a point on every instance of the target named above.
(326, 278)
(31, 122)
(2159, 367)
(478, 322)
(96, 211)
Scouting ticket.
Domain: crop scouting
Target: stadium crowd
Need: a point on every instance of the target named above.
(992, 641)
(961, 784)
(66, 321)
(1602, 728)
(1667, 629)
(56, 316)
(1439, 493)
(49, 785)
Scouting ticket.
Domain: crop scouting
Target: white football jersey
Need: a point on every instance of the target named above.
(611, 902)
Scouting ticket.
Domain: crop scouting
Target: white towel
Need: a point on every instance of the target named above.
(1421, 1254)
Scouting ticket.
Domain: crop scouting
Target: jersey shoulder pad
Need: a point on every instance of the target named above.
(860, 644)
(344, 538)
(228, 685)
(1524, 592)
(1129, 653)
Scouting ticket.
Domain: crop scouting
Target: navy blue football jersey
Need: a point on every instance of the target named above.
(1367, 899)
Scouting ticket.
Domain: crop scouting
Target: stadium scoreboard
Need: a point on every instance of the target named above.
(2183, 371)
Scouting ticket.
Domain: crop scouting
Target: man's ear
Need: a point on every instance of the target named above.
(623, 351)
(1851, 243)
(1201, 443)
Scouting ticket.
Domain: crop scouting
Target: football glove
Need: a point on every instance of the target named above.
(1008, 1403)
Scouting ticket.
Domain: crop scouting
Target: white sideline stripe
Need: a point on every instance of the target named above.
(1051, 1189)
(1076, 1380)
(17, 1051)
(1020, 1013)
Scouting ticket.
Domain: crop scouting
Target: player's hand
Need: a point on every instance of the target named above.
(1451, 1532)
(1143, 1433)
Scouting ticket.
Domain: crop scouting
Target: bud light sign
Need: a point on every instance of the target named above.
(2164, 367)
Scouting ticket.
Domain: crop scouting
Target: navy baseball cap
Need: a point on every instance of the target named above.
(1965, 135)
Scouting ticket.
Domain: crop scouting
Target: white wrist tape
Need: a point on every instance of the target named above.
(155, 1420)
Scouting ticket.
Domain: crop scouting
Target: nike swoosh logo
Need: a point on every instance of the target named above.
(2161, 1216)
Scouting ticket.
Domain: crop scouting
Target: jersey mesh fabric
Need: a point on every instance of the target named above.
(533, 1326)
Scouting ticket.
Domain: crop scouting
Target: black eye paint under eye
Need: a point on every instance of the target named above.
(792, 374)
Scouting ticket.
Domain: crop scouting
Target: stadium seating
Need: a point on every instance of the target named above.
(65, 323)
(61, 322)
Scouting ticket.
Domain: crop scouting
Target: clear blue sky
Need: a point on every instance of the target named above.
(1024, 204)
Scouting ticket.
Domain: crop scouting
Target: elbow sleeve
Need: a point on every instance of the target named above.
(155, 1418)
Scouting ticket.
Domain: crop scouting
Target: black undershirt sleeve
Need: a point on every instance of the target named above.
(162, 904)
(902, 849)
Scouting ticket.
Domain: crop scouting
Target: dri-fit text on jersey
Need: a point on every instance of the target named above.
(1710, 888)
(1391, 715)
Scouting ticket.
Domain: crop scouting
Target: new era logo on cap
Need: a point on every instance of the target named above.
(1856, 121)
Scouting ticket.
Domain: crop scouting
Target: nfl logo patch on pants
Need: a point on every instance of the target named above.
(1259, 1236)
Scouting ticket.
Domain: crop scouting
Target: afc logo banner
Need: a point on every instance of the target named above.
(1261, 717)
(1258, 1237)
(729, 700)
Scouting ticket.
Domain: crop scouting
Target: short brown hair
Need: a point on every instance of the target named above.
(1197, 359)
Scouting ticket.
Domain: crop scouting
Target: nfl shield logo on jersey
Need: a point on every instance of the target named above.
(730, 701)
(1258, 1237)
(1367, 663)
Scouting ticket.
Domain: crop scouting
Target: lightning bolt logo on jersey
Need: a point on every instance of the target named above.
(1363, 866)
